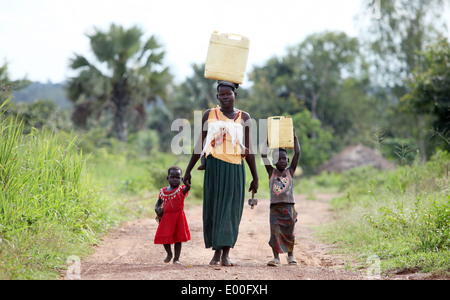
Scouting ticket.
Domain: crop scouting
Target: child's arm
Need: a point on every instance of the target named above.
(158, 207)
(296, 156)
(266, 161)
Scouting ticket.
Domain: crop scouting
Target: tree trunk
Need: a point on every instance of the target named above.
(121, 100)
(120, 125)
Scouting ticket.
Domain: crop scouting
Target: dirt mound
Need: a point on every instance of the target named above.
(355, 156)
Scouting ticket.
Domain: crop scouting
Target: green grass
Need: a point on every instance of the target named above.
(132, 181)
(402, 216)
(56, 201)
(49, 208)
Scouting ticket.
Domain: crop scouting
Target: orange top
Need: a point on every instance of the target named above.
(224, 137)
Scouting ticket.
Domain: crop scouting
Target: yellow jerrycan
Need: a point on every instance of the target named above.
(227, 57)
(280, 131)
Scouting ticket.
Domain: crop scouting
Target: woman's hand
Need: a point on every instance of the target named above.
(254, 186)
(187, 179)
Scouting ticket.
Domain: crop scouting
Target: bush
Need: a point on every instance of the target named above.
(402, 216)
(49, 208)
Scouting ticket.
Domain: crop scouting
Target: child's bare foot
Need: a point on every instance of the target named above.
(168, 258)
(201, 167)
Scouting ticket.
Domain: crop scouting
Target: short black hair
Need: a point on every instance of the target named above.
(276, 154)
(233, 86)
(174, 168)
(280, 149)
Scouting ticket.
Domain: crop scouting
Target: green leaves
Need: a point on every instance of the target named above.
(125, 71)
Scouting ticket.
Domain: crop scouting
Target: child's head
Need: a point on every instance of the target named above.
(280, 158)
(174, 176)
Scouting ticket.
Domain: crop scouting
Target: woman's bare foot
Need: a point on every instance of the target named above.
(216, 258)
(225, 261)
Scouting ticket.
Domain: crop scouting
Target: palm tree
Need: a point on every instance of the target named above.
(126, 73)
(196, 92)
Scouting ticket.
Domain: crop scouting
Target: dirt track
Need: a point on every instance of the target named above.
(129, 253)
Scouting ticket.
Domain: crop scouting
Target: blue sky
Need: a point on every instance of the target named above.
(38, 37)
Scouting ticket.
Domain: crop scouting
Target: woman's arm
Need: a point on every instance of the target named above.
(250, 157)
(197, 149)
(187, 188)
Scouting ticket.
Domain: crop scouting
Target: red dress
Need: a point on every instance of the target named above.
(173, 227)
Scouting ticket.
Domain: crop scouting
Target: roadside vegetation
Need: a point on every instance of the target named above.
(400, 216)
(49, 208)
(73, 168)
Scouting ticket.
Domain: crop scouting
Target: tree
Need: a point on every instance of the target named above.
(325, 74)
(317, 150)
(318, 67)
(125, 73)
(405, 28)
(312, 72)
(196, 92)
(430, 90)
(394, 43)
(7, 86)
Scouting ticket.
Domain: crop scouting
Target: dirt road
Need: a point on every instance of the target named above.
(129, 253)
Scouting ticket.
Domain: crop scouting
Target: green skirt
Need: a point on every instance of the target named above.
(223, 202)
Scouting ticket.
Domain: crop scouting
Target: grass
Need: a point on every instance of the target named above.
(400, 216)
(132, 181)
(56, 201)
(49, 208)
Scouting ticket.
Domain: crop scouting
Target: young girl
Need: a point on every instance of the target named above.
(173, 227)
(283, 215)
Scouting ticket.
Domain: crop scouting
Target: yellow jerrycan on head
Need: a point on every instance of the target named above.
(280, 131)
(227, 57)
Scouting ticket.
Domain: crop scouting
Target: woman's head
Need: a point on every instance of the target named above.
(226, 94)
(234, 86)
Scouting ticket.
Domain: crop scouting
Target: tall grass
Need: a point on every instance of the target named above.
(49, 210)
(402, 216)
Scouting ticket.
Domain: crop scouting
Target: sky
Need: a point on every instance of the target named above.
(39, 37)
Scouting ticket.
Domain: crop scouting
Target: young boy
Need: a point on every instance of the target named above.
(283, 215)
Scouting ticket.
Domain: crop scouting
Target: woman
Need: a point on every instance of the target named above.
(227, 142)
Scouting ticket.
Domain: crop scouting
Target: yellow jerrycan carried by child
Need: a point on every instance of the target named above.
(227, 57)
(280, 131)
